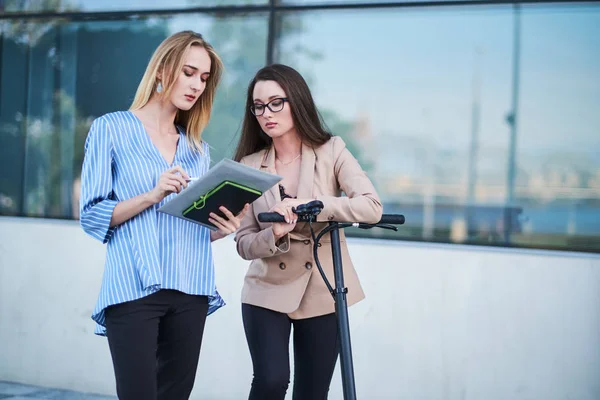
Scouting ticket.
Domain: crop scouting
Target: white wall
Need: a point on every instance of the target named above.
(440, 322)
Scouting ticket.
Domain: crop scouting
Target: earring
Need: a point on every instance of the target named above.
(159, 87)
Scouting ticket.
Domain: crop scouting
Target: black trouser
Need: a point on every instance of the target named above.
(155, 344)
(316, 348)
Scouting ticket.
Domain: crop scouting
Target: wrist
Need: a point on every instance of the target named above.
(216, 235)
(149, 199)
(277, 236)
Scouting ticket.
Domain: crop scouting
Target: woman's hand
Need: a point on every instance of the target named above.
(280, 229)
(227, 225)
(171, 181)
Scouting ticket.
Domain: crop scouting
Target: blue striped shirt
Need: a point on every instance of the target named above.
(152, 250)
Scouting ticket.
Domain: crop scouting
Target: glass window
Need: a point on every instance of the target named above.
(352, 2)
(425, 99)
(57, 77)
(113, 5)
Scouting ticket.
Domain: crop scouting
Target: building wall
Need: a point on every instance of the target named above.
(439, 321)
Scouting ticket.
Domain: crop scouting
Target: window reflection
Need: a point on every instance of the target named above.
(113, 5)
(57, 77)
(426, 97)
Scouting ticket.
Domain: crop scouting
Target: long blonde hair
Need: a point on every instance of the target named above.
(168, 60)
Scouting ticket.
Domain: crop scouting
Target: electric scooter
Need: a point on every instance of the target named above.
(308, 213)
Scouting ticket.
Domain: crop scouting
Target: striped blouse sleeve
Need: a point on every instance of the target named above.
(206, 157)
(97, 200)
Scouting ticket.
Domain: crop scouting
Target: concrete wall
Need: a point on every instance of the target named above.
(440, 322)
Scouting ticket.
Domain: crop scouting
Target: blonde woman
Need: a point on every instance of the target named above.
(159, 283)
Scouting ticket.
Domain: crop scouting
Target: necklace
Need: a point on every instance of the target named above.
(289, 162)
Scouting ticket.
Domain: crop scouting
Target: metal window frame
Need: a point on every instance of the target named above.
(271, 6)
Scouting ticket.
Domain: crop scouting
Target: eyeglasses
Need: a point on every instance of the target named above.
(274, 105)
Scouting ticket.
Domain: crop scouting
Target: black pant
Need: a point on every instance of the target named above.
(155, 344)
(316, 348)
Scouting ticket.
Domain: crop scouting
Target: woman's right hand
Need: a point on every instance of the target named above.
(280, 229)
(171, 181)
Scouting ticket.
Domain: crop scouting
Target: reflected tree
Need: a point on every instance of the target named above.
(241, 45)
(28, 56)
(56, 78)
(241, 41)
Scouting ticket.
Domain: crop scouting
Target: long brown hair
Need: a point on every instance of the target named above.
(168, 59)
(307, 121)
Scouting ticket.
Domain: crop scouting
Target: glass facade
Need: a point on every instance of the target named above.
(68, 6)
(478, 122)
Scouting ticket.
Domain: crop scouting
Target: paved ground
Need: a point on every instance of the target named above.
(17, 391)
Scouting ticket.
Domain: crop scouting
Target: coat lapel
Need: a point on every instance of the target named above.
(307, 173)
(272, 196)
(306, 181)
(305, 185)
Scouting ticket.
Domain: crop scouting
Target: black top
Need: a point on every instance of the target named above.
(283, 194)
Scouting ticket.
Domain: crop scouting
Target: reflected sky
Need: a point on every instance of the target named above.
(411, 72)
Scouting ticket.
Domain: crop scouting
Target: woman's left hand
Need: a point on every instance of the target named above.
(227, 225)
